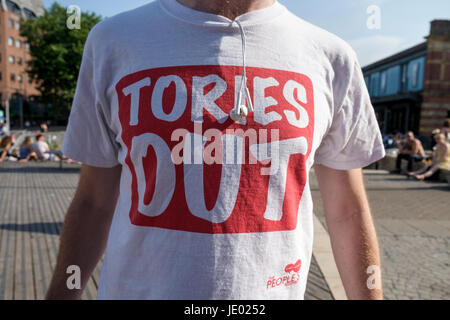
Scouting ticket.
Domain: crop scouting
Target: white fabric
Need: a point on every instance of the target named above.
(41, 148)
(242, 229)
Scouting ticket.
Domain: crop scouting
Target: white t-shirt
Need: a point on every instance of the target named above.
(41, 148)
(154, 94)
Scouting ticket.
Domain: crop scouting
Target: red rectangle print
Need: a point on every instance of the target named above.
(194, 169)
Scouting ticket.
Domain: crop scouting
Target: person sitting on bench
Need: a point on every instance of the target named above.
(6, 144)
(441, 160)
(26, 152)
(41, 148)
(411, 150)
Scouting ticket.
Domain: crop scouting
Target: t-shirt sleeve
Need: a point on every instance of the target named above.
(89, 138)
(354, 139)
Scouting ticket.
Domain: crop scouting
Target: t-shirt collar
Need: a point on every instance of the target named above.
(261, 16)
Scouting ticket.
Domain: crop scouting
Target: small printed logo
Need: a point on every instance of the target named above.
(291, 277)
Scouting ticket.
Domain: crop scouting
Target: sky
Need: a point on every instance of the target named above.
(394, 25)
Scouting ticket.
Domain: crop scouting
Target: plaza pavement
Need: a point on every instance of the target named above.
(412, 220)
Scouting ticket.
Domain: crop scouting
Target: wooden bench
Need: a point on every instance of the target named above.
(389, 163)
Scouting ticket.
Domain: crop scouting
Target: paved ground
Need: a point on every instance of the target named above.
(33, 201)
(413, 225)
(412, 220)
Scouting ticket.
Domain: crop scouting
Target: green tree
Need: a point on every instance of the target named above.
(56, 53)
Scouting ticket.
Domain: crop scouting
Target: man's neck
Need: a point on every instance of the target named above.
(227, 8)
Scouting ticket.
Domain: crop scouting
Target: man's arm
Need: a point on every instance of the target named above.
(86, 227)
(351, 229)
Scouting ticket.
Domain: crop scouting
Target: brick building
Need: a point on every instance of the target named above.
(411, 89)
(15, 84)
(436, 94)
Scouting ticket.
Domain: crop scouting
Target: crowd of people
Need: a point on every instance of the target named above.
(411, 149)
(38, 150)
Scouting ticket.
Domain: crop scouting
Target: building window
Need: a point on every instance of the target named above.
(12, 59)
(19, 78)
(29, 14)
(404, 77)
(11, 23)
(13, 77)
(11, 41)
(18, 44)
(375, 84)
(27, 46)
(415, 75)
(383, 85)
(0, 76)
(367, 81)
(13, 7)
(19, 61)
(18, 26)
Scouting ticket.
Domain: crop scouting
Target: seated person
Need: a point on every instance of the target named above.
(441, 160)
(5, 146)
(42, 150)
(26, 152)
(411, 150)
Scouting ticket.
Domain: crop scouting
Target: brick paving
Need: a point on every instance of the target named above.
(412, 219)
(34, 198)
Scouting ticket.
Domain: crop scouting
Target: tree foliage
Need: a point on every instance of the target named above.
(56, 53)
